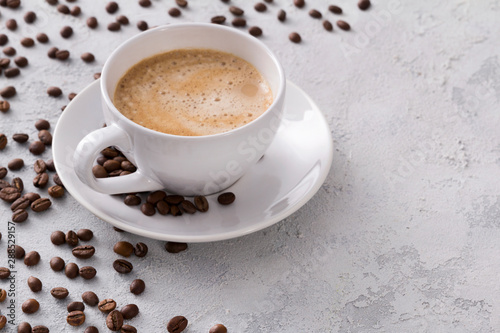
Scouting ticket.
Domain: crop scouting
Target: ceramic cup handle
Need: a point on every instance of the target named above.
(87, 151)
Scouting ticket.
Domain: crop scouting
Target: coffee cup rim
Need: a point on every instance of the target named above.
(104, 74)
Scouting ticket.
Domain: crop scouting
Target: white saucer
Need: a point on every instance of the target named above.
(291, 172)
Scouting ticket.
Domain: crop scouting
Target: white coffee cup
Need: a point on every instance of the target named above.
(185, 165)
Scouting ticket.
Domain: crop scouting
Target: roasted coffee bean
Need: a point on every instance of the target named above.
(92, 22)
(174, 12)
(118, 229)
(54, 91)
(76, 318)
(226, 198)
(123, 266)
(106, 305)
(57, 237)
(31, 258)
(57, 180)
(9, 51)
(282, 15)
(294, 37)
(128, 329)
(111, 165)
(27, 42)
(8, 92)
(327, 25)
(71, 270)
(63, 9)
(255, 31)
(364, 4)
(19, 216)
(3, 321)
(237, 11)
(62, 54)
(56, 191)
(218, 328)
(145, 3)
(219, 19)
(11, 24)
(20, 137)
(177, 324)
(40, 166)
(4, 62)
(128, 166)
(174, 199)
(91, 329)
(11, 72)
(299, 3)
(71, 238)
(315, 14)
(129, 311)
(137, 287)
(57, 264)
(181, 3)
(88, 57)
(24, 327)
(30, 306)
(37, 147)
(41, 180)
(123, 248)
(175, 211)
(21, 61)
(3, 141)
(83, 251)
(3, 172)
(163, 207)
(115, 173)
(13, 3)
(50, 165)
(148, 209)
(75, 11)
(71, 96)
(174, 247)
(114, 26)
(19, 252)
(188, 207)
(18, 184)
(343, 25)
(9, 194)
(3, 39)
(260, 7)
(59, 292)
(132, 200)
(40, 329)
(156, 196)
(87, 272)
(239, 22)
(114, 321)
(90, 298)
(4, 273)
(111, 7)
(16, 164)
(140, 250)
(4, 106)
(4, 184)
(85, 234)
(52, 53)
(45, 137)
(42, 124)
(142, 25)
(3, 295)
(35, 284)
(42, 38)
(52, 2)
(21, 203)
(99, 171)
(75, 306)
(122, 19)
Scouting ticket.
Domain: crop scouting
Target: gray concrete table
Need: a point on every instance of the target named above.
(402, 237)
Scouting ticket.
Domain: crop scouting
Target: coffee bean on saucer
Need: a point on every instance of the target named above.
(218, 328)
(106, 305)
(76, 318)
(111, 7)
(56, 191)
(57, 264)
(219, 19)
(62, 54)
(122, 266)
(19, 216)
(239, 22)
(177, 324)
(30, 306)
(137, 287)
(129, 311)
(92, 22)
(31, 258)
(71, 270)
(25, 327)
(75, 306)
(145, 3)
(57, 237)
(343, 25)
(37, 147)
(260, 7)
(327, 25)
(90, 298)
(41, 180)
(174, 247)
(11, 24)
(41, 205)
(299, 3)
(88, 57)
(59, 292)
(123, 248)
(18, 184)
(148, 209)
(34, 284)
(140, 250)
(236, 11)
(20, 203)
(19, 252)
(87, 272)
(4, 106)
(175, 211)
(188, 207)
(255, 31)
(132, 200)
(226, 198)
(91, 329)
(32, 196)
(114, 26)
(156, 196)
(71, 238)
(114, 321)
(11, 72)
(8, 92)
(9, 194)
(174, 12)
(42, 124)
(201, 203)
(142, 25)
(364, 4)
(84, 251)
(174, 199)
(4, 273)
(85, 234)
(163, 207)
(295, 37)
(128, 329)
(63, 9)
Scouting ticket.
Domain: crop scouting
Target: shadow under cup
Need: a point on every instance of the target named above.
(198, 165)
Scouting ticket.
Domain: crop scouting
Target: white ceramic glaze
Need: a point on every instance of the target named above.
(291, 172)
(180, 164)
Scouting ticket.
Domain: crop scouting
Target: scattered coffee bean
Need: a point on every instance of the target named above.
(42, 124)
(260, 7)
(114, 26)
(327, 25)
(3, 296)
(45, 137)
(123, 266)
(56, 191)
(174, 12)
(128, 329)
(54, 91)
(19, 216)
(57, 237)
(84, 251)
(181, 3)
(52, 2)
(132, 200)
(129, 311)
(87, 272)
(21, 61)
(9, 194)
(24, 327)
(174, 247)
(50, 165)
(88, 57)
(85, 234)
(114, 321)
(142, 25)
(3, 141)
(71, 96)
(19, 252)
(282, 15)
(62, 54)
(13, 3)
(16, 163)
(34, 284)
(31, 258)
(29, 17)
(219, 19)
(52, 53)
(343, 25)
(30, 306)
(92, 22)
(218, 328)
(177, 324)
(40, 329)
(11, 24)
(294, 37)
(227, 198)
(42, 38)
(6, 184)
(111, 7)
(59, 292)
(137, 287)
(335, 9)
(57, 264)
(237, 11)
(41, 180)
(148, 209)
(91, 329)
(123, 248)
(75, 11)
(41, 205)
(90, 298)
(75, 318)
(71, 270)
(255, 31)
(122, 19)
(71, 238)
(4, 273)
(18, 184)
(299, 3)
(75, 306)
(239, 22)
(21, 203)
(31, 196)
(63, 9)
(12, 72)
(315, 14)
(27, 42)
(3, 321)
(140, 250)
(66, 32)
(20, 137)
(145, 3)
(37, 147)
(3, 39)
(40, 166)
(3, 172)
(4, 106)
(9, 51)
(8, 91)
(57, 180)
(106, 305)
(364, 4)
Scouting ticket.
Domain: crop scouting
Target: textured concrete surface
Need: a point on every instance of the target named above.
(402, 237)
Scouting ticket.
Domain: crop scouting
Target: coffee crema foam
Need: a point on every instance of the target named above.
(192, 92)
